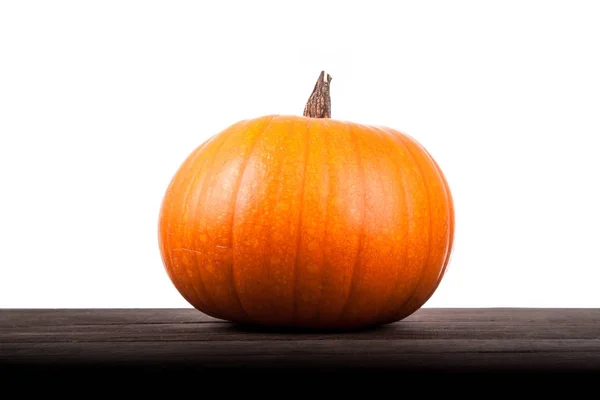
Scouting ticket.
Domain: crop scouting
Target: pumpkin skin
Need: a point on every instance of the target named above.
(292, 221)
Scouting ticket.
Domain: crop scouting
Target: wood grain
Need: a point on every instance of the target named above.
(545, 340)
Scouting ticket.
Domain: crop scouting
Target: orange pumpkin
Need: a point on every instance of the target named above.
(306, 221)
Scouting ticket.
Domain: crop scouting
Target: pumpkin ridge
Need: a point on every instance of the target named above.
(451, 217)
(427, 156)
(164, 222)
(425, 265)
(361, 235)
(233, 132)
(236, 192)
(204, 294)
(406, 225)
(450, 222)
(300, 214)
(325, 220)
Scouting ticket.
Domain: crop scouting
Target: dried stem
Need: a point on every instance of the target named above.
(319, 102)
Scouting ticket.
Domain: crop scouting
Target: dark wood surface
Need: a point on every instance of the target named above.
(429, 340)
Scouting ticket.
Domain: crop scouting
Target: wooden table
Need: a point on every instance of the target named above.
(544, 340)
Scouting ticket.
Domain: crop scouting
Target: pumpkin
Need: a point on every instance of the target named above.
(307, 222)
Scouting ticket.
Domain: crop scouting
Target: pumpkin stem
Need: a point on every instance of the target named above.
(319, 102)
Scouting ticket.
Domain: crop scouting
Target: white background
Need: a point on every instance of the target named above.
(100, 101)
